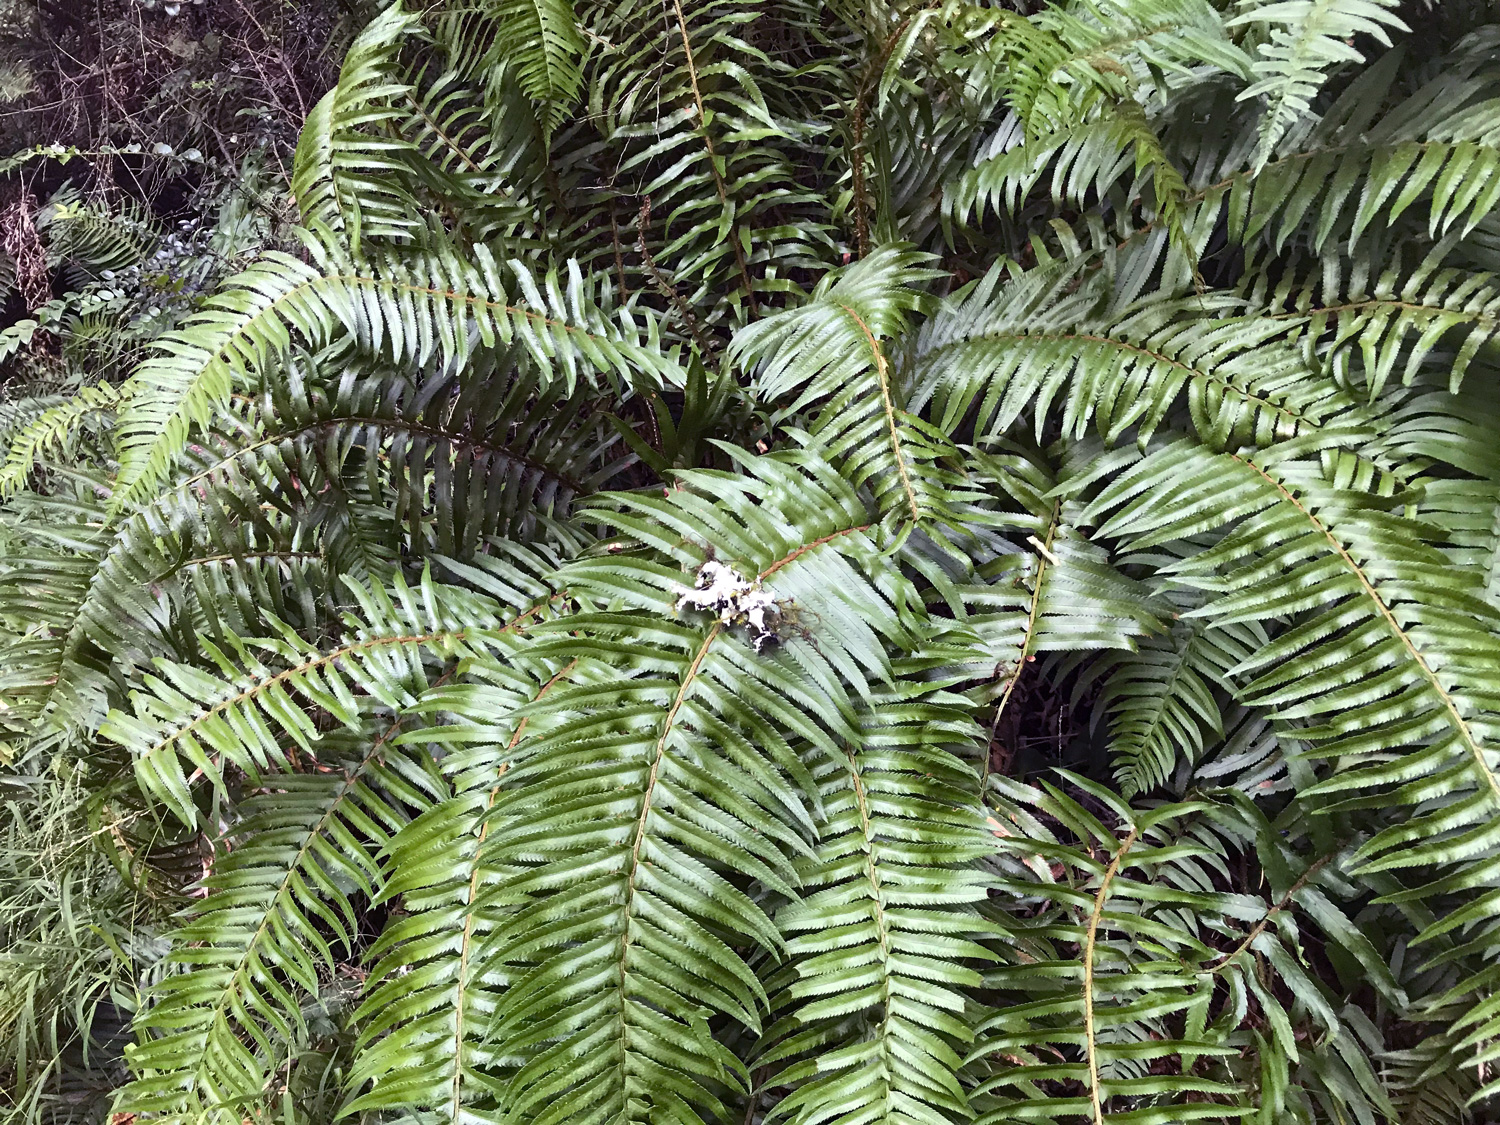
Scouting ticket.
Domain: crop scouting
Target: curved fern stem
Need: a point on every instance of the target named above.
(793, 556)
(883, 378)
(465, 941)
(1271, 915)
(877, 898)
(1096, 1102)
(1028, 639)
(639, 837)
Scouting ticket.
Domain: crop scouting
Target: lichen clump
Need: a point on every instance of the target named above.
(735, 600)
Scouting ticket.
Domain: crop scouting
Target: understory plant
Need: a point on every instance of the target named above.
(789, 563)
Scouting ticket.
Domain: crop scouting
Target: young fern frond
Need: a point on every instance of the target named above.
(348, 171)
(1068, 59)
(1307, 38)
(540, 41)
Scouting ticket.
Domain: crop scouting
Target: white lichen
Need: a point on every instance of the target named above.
(724, 592)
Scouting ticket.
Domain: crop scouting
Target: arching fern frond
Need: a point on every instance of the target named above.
(245, 713)
(1163, 701)
(540, 41)
(834, 350)
(650, 799)
(1408, 319)
(53, 430)
(456, 457)
(408, 311)
(279, 901)
(349, 171)
(1068, 58)
(1042, 339)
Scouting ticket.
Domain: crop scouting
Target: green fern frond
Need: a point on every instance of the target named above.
(1163, 701)
(348, 168)
(301, 851)
(1052, 591)
(53, 430)
(1042, 338)
(833, 349)
(1407, 319)
(713, 152)
(494, 451)
(242, 715)
(215, 557)
(1306, 39)
(1069, 58)
(1037, 663)
(877, 994)
(539, 40)
(1384, 671)
(1078, 1037)
(647, 801)
(431, 995)
(410, 312)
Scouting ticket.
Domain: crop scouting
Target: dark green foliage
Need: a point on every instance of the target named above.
(778, 563)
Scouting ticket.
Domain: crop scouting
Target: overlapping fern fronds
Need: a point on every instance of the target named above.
(822, 565)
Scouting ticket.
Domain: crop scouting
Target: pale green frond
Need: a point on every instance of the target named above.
(53, 431)
(1304, 40)
(348, 167)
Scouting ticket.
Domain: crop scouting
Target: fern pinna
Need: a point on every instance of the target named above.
(784, 563)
